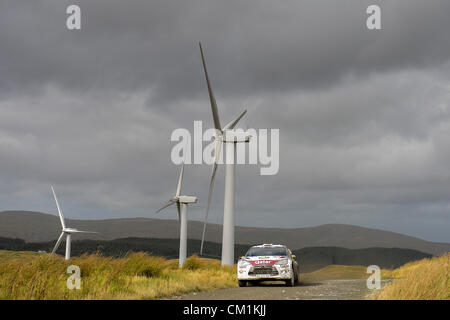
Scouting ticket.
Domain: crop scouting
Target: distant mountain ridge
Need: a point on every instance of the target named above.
(40, 227)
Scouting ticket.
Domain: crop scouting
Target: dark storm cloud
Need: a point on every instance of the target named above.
(364, 116)
(251, 45)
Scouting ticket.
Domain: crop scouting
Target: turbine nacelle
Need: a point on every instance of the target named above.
(70, 230)
(73, 230)
(187, 199)
(235, 136)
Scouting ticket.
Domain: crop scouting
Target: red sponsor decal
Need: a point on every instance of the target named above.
(260, 262)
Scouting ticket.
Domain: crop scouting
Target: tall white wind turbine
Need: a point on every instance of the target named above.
(182, 215)
(65, 231)
(230, 138)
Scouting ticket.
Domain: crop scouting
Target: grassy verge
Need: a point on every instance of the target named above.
(427, 279)
(341, 272)
(334, 272)
(137, 276)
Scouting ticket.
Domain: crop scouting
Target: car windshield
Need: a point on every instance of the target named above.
(271, 251)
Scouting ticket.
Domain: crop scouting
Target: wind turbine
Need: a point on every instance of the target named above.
(230, 138)
(182, 216)
(65, 231)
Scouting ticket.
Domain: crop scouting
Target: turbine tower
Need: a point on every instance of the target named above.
(65, 231)
(230, 138)
(182, 216)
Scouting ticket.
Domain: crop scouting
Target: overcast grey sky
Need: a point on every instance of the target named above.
(364, 115)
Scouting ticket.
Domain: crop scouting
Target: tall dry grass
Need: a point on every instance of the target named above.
(136, 276)
(427, 279)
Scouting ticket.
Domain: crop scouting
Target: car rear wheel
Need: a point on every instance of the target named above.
(242, 283)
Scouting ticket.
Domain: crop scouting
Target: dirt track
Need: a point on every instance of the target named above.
(319, 290)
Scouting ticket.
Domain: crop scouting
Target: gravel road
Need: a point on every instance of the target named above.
(320, 290)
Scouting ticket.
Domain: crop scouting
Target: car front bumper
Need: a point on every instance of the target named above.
(277, 273)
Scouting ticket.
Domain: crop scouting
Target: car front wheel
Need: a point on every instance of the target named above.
(290, 282)
(296, 280)
(242, 283)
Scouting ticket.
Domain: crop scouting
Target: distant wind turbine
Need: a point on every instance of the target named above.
(182, 216)
(220, 137)
(65, 231)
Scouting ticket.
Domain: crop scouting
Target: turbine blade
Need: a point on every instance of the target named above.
(61, 217)
(179, 212)
(217, 149)
(211, 94)
(58, 243)
(82, 231)
(233, 123)
(180, 181)
(211, 185)
(170, 202)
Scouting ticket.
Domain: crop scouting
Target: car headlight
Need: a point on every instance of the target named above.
(282, 263)
(244, 264)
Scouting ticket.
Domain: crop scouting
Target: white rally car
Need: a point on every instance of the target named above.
(267, 262)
